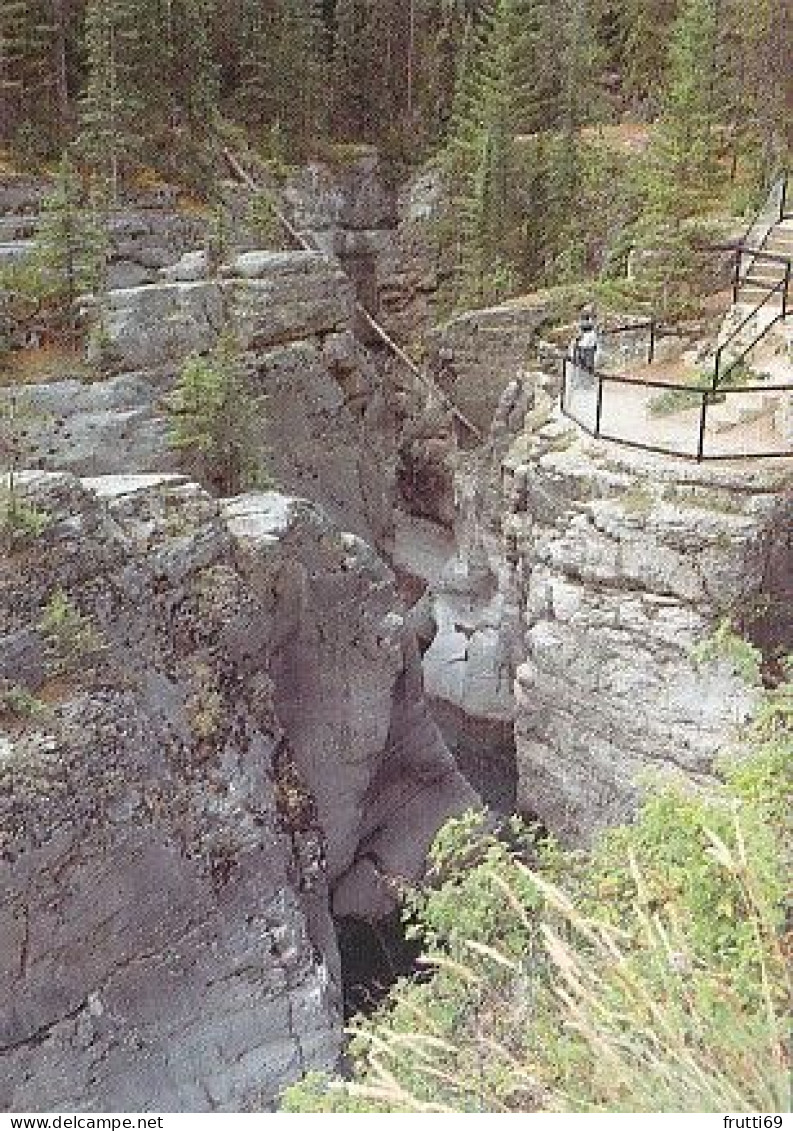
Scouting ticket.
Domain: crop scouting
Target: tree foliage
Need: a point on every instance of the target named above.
(502, 95)
(215, 420)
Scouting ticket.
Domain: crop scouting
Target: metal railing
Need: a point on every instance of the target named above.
(710, 419)
(779, 291)
(629, 331)
(669, 417)
(771, 212)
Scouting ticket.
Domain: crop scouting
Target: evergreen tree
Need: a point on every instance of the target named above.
(112, 103)
(484, 150)
(282, 70)
(28, 103)
(645, 32)
(193, 87)
(684, 160)
(215, 419)
(755, 70)
(355, 101)
(72, 252)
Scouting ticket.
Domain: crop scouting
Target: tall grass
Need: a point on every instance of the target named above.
(648, 976)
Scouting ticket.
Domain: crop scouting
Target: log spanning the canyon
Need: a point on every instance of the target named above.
(394, 348)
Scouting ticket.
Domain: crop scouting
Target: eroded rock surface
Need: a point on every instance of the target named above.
(629, 562)
(322, 430)
(212, 726)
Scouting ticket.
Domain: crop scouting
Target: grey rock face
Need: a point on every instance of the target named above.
(103, 428)
(189, 268)
(302, 294)
(145, 239)
(350, 195)
(16, 252)
(231, 729)
(629, 562)
(322, 433)
(22, 195)
(481, 349)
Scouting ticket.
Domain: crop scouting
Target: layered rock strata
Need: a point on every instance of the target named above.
(323, 431)
(628, 564)
(212, 731)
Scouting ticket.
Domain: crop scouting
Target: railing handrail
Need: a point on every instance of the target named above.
(704, 397)
(761, 253)
(713, 391)
(779, 184)
(645, 324)
(782, 287)
(781, 178)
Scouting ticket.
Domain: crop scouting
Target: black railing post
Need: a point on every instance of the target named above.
(736, 281)
(786, 291)
(783, 198)
(651, 351)
(599, 409)
(717, 369)
(703, 419)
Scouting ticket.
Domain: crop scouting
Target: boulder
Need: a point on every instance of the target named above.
(479, 351)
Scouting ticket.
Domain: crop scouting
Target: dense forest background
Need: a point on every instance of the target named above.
(505, 97)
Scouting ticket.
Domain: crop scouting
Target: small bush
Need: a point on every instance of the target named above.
(215, 420)
(21, 523)
(70, 635)
(17, 702)
(727, 645)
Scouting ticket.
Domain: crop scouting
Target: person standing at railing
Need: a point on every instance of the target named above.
(585, 347)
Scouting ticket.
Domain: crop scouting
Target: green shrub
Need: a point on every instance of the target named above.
(647, 975)
(21, 523)
(215, 420)
(71, 637)
(727, 645)
(263, 222)
(17, 702)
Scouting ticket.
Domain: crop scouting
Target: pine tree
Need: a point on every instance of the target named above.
(71, 253)
(506, 87)
(28, 75)
(355, 101)
(194, 88)
(282, 71)
(645, 33)
(215, 420)
(112, 103)
(486, 145)
(755, 70)
(684, 164)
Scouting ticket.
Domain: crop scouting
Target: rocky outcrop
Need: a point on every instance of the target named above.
(272, 297)
(212, 727)
(347, 209)
(628, 563)
(572, 600)
(323, 431)
(476, 350)
(144, 240)
(148, 234)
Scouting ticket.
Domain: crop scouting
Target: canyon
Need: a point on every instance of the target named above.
(253, 714)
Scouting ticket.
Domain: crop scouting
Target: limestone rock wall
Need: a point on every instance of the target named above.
(574, 593)
(211, 726)
(322, 429)
(627, 563)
